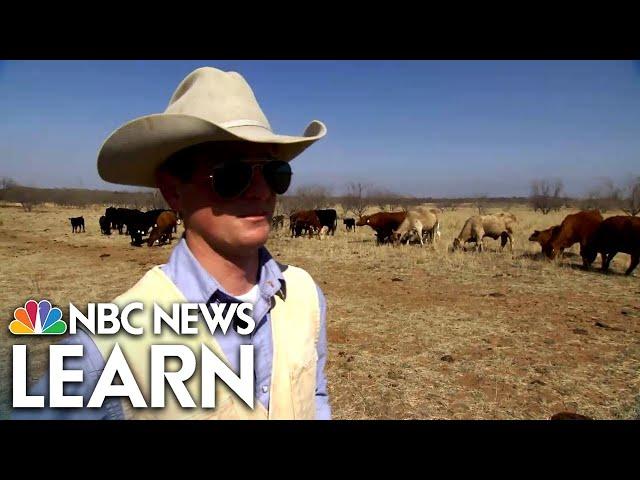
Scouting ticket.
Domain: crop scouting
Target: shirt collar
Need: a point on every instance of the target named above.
(198, 286)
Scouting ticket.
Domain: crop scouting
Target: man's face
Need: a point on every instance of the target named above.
(236, 226)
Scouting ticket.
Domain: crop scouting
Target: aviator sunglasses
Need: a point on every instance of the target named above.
(232, 178)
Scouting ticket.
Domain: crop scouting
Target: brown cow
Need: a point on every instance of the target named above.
(543, 237)
(384, 223)
(163, 227)
(615, 234)
(577, 227)
(304, 220)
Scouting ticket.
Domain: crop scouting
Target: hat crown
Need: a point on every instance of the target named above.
(222, 98)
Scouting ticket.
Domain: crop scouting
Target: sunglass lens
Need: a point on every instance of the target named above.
(232, 179)
(278, 175)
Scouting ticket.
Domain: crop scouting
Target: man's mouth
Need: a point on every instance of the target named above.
(255, 215)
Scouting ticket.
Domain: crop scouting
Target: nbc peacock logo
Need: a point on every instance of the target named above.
(37, 318)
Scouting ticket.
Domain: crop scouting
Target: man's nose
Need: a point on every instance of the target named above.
(258, 188)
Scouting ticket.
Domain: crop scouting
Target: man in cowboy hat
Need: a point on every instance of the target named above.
(215, 159)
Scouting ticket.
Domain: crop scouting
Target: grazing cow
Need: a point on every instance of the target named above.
(324, 231)
(105, 225)
(384, 224)
(111, 214)
(328, 218)
(292, 222)
(577, 227)
(420, 222)
(350, 224)
(163, 227)
(499, 225)
(543, 237)
(305, 221)
(137, 230)
(120, 217)
(615, 234)
(76, 224)
(277, 222)
(431, 235)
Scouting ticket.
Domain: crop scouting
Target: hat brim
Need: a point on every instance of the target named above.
(132, 153)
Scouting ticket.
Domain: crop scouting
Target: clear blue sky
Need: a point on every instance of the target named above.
(428, 128)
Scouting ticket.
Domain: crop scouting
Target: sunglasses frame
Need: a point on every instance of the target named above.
(254, 165)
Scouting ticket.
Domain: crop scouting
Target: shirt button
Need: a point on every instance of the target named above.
(265, 388)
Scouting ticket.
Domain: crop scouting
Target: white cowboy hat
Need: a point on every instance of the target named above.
(208, 105)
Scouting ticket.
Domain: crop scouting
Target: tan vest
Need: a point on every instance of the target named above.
(295, 326)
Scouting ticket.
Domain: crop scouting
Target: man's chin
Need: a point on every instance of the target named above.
(255, 237)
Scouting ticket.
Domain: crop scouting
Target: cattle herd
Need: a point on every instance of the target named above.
(594, 234)
(158, 224)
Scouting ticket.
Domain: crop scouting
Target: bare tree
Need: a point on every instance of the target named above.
(546, 195)
(286, 205)
(26, 198)
(157, 201)
(6, 184)
(356, 199)
(604, 196)
(447, 204)
(480, 202)
(383, 198)
(631, 200)
(311, 197)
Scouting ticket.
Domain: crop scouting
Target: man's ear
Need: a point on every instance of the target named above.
(169, 187)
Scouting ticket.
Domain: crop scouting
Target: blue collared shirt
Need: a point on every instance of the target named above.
(198, 286)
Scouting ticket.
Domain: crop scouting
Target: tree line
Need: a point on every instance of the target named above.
(546, 195)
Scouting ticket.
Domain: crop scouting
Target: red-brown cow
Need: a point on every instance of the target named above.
(163, 227)
(384, 223)
(543, 237)
(615, 234)
(577, 227)
(304, 220)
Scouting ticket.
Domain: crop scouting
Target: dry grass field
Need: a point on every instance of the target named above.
(414, 333)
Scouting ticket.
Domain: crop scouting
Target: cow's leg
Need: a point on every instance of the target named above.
(635, 259)
(480, 240)
(503, 240)
(606, 260)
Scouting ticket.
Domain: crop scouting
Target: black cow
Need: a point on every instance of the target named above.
(105, 225)
(277, 222)
(138, 225)
(328, 218)
(350, 223)
(76, 224)
(120, 217)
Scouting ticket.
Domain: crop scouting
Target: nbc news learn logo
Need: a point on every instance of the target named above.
(37, 318)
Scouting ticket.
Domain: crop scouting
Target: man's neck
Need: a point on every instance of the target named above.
(235, 273)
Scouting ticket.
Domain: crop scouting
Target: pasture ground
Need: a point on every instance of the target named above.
(414, 333)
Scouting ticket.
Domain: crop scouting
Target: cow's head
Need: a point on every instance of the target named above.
(589, 253)
(535, 236)
(457, 244)
(364, 220)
